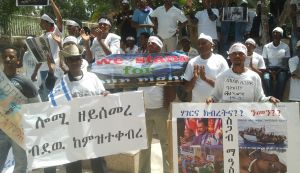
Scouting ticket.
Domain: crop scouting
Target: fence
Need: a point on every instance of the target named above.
(20, 26)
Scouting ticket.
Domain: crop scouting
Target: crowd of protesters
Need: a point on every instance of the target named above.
(266, 68)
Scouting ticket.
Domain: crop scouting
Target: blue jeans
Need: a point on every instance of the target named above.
(281, 79)
(18, 152)
(240, 29)
(224, 46)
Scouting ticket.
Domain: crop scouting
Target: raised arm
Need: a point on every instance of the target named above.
(57, 15)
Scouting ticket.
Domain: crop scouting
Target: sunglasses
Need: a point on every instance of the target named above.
(74, 58)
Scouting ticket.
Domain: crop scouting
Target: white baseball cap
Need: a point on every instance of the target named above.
(71, 39)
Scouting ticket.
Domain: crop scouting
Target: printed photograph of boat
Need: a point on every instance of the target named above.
(262, 134)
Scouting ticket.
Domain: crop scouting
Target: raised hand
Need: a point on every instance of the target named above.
(85, 37)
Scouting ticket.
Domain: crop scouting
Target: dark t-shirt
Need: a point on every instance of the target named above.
(24, 85)
(123, 19)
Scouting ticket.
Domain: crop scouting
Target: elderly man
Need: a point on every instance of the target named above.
(276, 55)
(79, 83)
(202, 71)
(166, 19)
(156, 102)
(238, 84)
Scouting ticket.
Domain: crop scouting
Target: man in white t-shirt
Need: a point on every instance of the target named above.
(168, 20)
(276, 54)
(78, 83)
(202, 71)
(53, 34)
(294, 65)
(206, 20)
(104, 44)
(238, 84)
(253, 60)
(157, 100)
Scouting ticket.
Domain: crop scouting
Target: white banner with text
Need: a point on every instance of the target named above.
(84, 128)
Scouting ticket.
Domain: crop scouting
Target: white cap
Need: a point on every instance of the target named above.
(251, 41)
(47, 18)
(156, 40)
(278, 29)
(72, 23)
(103, 20)
(238, 47)
(130, 38)
(70, 39)
(206, 37)
(298, 43)
(125, 2)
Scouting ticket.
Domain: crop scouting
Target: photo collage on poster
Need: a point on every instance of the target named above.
(263, 145)
(200, 145)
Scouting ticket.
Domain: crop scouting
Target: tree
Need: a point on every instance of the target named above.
(265, 21)
(7, 9)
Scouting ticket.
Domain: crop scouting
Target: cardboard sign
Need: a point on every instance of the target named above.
(84, 128)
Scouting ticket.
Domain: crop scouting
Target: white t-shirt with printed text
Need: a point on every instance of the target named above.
(233, 87)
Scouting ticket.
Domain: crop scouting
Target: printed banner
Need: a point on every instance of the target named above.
(83, 128)
(235, 137)
(133, 70)
(10, 118)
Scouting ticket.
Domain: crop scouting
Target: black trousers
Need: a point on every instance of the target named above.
(98, 166)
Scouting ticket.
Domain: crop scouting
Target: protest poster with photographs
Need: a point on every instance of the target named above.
(235, 14)
(235, 137)
(39, 47)
(32, 2)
